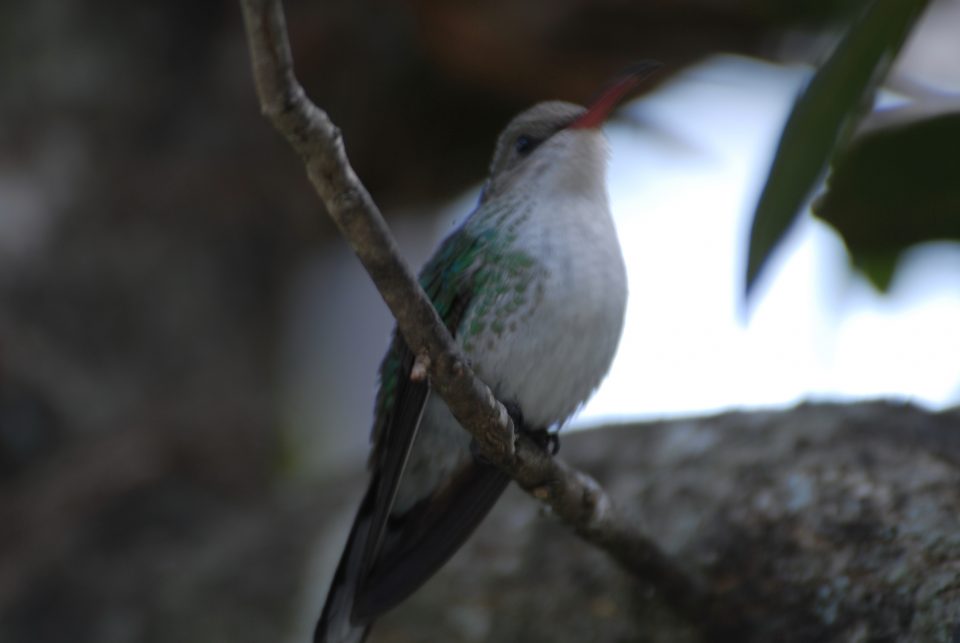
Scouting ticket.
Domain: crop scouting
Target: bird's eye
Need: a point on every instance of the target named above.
(524, 144)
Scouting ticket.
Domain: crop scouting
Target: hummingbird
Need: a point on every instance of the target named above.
(532, 286)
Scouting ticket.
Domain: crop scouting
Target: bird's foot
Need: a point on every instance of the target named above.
(548, 441)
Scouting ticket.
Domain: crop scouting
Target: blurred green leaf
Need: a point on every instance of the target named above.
(822, 117)
(893, 188)
(877, 268)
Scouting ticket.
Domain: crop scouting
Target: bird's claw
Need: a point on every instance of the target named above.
(548, 441)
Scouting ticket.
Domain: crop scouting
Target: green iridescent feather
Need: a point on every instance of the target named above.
(476, 266)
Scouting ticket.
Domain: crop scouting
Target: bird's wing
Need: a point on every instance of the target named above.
(388, 556)
(447, 280)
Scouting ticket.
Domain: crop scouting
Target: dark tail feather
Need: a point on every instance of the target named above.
(429, 533)
(432, 533)
(336, 624)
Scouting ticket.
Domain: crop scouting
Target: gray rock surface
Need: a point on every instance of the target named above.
(830, 523)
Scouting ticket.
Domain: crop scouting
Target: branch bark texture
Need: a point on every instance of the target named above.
(573, 496)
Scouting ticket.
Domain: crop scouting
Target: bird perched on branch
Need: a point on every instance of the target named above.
(532, 286)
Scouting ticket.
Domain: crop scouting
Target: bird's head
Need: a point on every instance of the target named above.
(557, 145)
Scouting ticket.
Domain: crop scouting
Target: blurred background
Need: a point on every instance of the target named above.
(188, 351)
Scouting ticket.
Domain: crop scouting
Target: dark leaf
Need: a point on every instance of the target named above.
(894, 188)
(877, 268)
(822, 118)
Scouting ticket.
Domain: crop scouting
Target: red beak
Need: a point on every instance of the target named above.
(598, 111)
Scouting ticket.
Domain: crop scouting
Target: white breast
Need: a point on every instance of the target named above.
(558, 351)
(548, 349)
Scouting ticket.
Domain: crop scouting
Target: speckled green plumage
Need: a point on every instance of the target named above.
(475, 280)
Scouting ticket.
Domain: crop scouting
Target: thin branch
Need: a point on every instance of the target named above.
(573, 496)
(311, 133)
